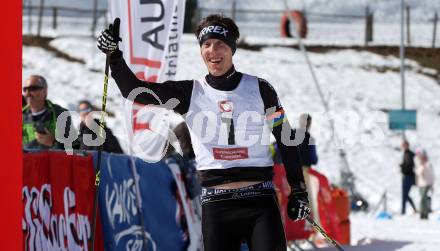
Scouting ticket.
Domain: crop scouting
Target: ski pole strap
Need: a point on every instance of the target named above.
(321, 231)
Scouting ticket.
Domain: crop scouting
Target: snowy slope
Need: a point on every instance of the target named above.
(348, 78)
(384, 10)
(357, 90)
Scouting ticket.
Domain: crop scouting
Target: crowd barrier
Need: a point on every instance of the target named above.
(58, 191)
(58, 194)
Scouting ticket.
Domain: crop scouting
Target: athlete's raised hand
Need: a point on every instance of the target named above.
(108, 40)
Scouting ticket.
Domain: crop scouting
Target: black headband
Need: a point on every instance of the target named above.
(217, 31)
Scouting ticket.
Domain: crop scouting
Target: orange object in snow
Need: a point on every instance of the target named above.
(342, 203)
(300, 22)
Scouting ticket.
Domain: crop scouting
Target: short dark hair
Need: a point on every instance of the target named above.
(41, 80)
(220, 19)
(85, 102)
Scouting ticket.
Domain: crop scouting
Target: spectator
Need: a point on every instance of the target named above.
(182, 133)
(111, 143)
(187, 161)
(407, 170)
(40, 117)
(425, 181)
(308, 145)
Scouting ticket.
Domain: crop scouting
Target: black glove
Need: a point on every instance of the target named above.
(298, 205)
(109, 38)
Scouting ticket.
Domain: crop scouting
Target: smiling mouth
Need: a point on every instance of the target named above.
(215, 61)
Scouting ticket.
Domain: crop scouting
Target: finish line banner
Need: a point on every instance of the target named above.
(150, 32)
(57, 199)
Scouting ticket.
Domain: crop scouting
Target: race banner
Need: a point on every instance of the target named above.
(320, 194)
(293, 230)
(57, 199)
(150, 32)
(328, 216)
(164, 218)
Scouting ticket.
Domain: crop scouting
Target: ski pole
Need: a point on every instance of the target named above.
(320, 230)
(101, 129)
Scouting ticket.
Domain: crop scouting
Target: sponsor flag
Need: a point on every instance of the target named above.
(150, 32)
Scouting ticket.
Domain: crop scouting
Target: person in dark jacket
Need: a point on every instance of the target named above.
(39, 127)
(407, 170)
(111, 143)
(308, 145)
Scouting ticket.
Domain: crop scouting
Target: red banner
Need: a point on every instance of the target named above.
(57, 196)
(320, 193)
(294, 230)
(328, 216)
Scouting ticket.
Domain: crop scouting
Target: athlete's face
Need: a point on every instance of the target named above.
(217, 56)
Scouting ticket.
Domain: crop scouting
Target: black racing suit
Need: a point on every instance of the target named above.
(226, 223)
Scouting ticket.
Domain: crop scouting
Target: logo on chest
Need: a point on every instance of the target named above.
(225, 106)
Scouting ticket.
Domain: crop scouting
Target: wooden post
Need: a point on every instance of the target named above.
(408, 23)
(434, 33)
(371, 19)
(368, 26)
(54, 18)
(233, 10)
(95, 17)
(40, 18)
(30, 17)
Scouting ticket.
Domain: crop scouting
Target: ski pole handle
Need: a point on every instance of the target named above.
(321, 231)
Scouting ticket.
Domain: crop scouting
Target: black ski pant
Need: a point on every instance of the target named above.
(255, 220)
(407, 182)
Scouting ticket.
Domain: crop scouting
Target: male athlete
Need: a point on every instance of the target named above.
(223, 111)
